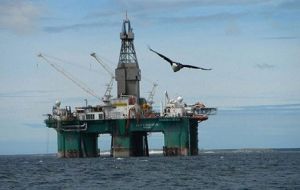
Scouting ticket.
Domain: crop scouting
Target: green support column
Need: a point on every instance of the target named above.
(139, 144)
(180, 138)
(129, 137)
(121, 146)
(89, 145)
(193, 137)
(121, 139)
(60, 144)
(73, 144)
(68, 144)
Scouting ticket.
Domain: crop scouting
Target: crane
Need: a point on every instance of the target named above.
(69, 76)
(107, 94)
(167, 99)
(151, 94)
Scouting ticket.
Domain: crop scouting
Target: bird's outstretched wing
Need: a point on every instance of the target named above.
(164, 57)
(195, 67)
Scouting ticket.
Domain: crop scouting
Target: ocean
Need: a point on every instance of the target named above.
(264, 127)
(211, 169)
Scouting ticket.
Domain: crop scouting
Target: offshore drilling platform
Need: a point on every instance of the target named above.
(129, 118)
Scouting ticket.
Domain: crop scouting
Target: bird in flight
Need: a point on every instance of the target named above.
(175, 65)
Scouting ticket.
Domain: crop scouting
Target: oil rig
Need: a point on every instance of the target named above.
(128, 118)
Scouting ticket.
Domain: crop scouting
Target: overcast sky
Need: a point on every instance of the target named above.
(253, 47)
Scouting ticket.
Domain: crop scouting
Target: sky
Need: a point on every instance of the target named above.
(253, 47)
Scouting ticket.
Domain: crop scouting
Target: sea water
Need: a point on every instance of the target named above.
(211, 169)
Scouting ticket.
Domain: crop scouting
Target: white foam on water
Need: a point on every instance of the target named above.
(156, 152)
(209, 152)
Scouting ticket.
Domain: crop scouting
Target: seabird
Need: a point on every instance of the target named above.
(175, 65)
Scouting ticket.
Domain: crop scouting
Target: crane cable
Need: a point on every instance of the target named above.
(60, 70)
(107, 94)
(105, 66)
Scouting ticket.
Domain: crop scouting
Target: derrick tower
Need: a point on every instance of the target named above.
(128, 74)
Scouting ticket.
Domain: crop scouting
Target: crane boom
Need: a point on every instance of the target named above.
(107, 94)
(106, 67)
(68, 76)
(151, 94)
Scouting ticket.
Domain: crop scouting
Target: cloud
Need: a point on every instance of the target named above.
(291, 4)
(102, 14)
(138, 6)
(263, 66)
(109, 23)
(34, 125)
(232, 28)
(281, 38)
(150, 9)
(134, 4)
(78, 26)
(19, 16)
(201, 18)
(25, 94)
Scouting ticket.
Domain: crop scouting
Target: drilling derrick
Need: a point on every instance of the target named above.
(128, 73)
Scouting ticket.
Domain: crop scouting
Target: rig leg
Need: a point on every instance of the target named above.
(120, 140)
(126, 143)
(68, 144)
(181, 139)
(89, 145)
(76, 144)
(139, 144)
(121, 146)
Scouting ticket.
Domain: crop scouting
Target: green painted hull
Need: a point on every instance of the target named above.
(129, 136)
